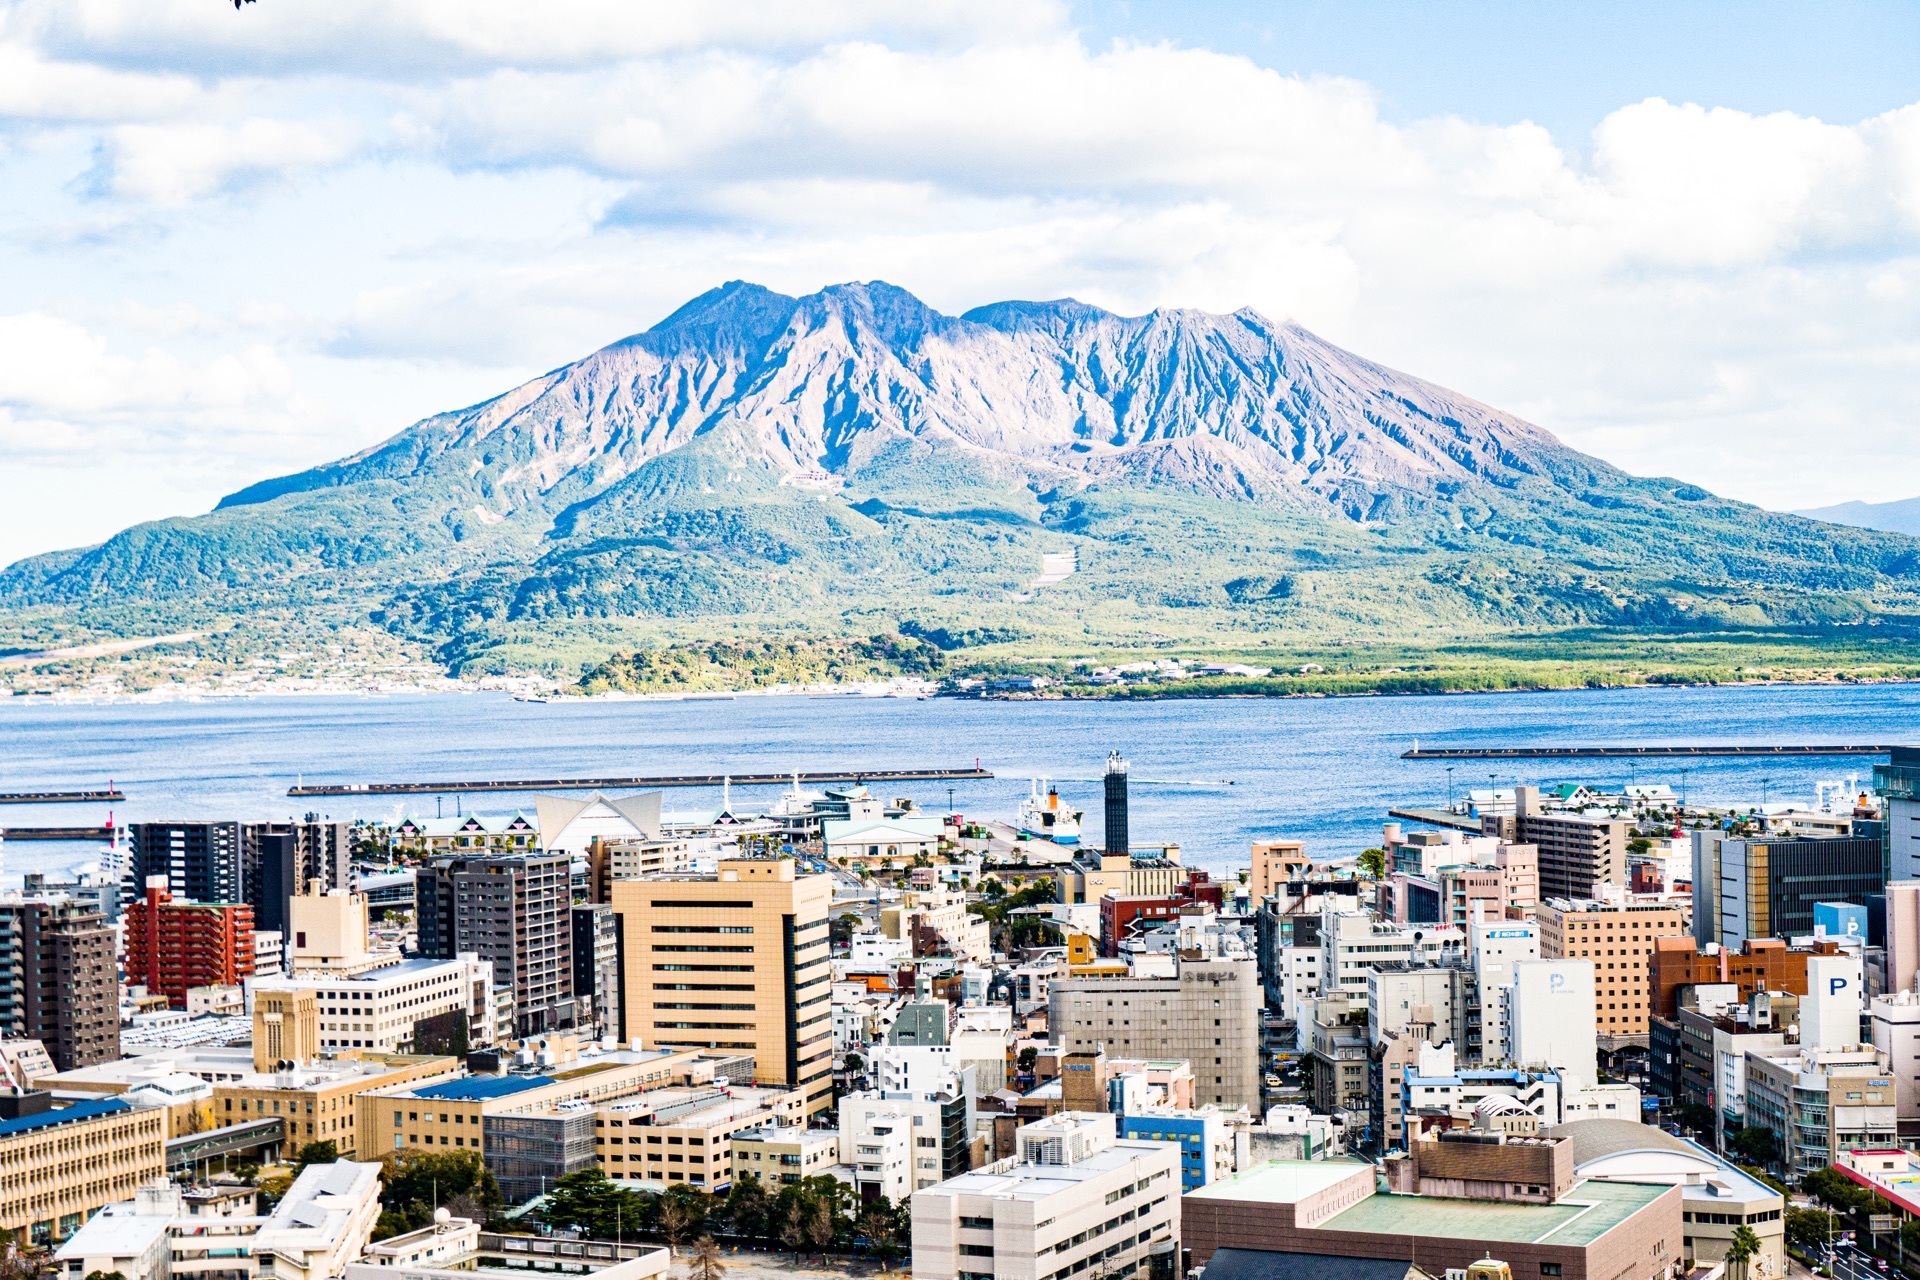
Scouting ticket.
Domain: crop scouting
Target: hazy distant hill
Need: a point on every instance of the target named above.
(853, 461)
(1899, 516)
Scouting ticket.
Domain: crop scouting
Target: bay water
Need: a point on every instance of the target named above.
(1209, 774)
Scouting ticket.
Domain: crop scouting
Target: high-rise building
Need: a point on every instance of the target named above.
(1116, 804)
(322, 851)
(172, 945)
(1769, 884)
(202, 861)
(60, 980)
(737, 959)
(1577, 854)
(1550, 1019)
(1618, 937)
(1208, 1014)
(272, 881)
(596, 966)
(514, 911)
(1897, 783)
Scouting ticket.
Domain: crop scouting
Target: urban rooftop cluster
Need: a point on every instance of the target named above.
(1575, 1031)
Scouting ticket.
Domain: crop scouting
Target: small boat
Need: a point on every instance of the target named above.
(1045, 817)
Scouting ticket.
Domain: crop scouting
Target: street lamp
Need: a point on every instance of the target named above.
(1450, 769)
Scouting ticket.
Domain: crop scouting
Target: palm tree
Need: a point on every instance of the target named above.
(1745, 1245)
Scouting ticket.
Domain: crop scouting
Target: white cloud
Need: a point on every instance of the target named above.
(173, 164)
(475, 190)
(65, 391)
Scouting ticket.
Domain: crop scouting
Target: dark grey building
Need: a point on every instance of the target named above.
(274, 882)
(60, 980)
(202, 861)
(1116, 804)
(597, 967)
(322, 850)
(514, 910)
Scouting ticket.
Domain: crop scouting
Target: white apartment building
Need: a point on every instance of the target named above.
(1299, 973)
(1352, 944)
(382, 1008)
(880, 1156)
(860, 1018)
(1076, 1200)
(322, 1224)
(938, 1128)
(1496, 946)
(1896, 1035)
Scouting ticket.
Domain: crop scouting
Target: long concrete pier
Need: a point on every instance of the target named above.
(1655, 752)
(57, 833)
(110, 796)
(621, 784)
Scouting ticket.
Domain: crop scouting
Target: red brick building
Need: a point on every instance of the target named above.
(1121, 917)
(172, 946)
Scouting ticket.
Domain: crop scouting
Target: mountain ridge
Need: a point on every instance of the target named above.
(854, 457)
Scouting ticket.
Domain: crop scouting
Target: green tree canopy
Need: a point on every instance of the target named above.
(596, 1207)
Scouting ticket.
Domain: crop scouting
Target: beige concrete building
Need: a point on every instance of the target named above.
(58, 1167)
(450, 1113)
(320, 1102)
(686, 1134)
(778, 1154)
(1075, 1200)
(1092, 876)
(329, 933)
(737, 960)
(1577, 853)
(286, 1029)
(1208, 1014)
(1275, 863)
(923, 916)
(1618, 937)
(417, 1005)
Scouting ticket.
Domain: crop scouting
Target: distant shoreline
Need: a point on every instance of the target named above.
(518, 690)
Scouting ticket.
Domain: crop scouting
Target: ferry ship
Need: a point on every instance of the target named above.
(1045, 817)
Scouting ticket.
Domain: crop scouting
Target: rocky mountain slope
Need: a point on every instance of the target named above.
(853, 459)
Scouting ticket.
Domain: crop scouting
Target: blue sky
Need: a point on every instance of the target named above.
(1685, 238)
(1562, 65)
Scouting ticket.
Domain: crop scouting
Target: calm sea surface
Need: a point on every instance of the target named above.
(1209, 774)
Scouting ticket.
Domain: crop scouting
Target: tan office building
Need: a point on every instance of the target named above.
(1618, 938)
(735, 961)
(58, 1167)
(320, 1103)
(450, 1113)
(1275, 863)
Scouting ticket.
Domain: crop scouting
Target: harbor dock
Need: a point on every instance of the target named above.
(1640, 753)
(612, 784)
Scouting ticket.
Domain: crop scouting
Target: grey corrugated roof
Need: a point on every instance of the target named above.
(1602, 1137)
